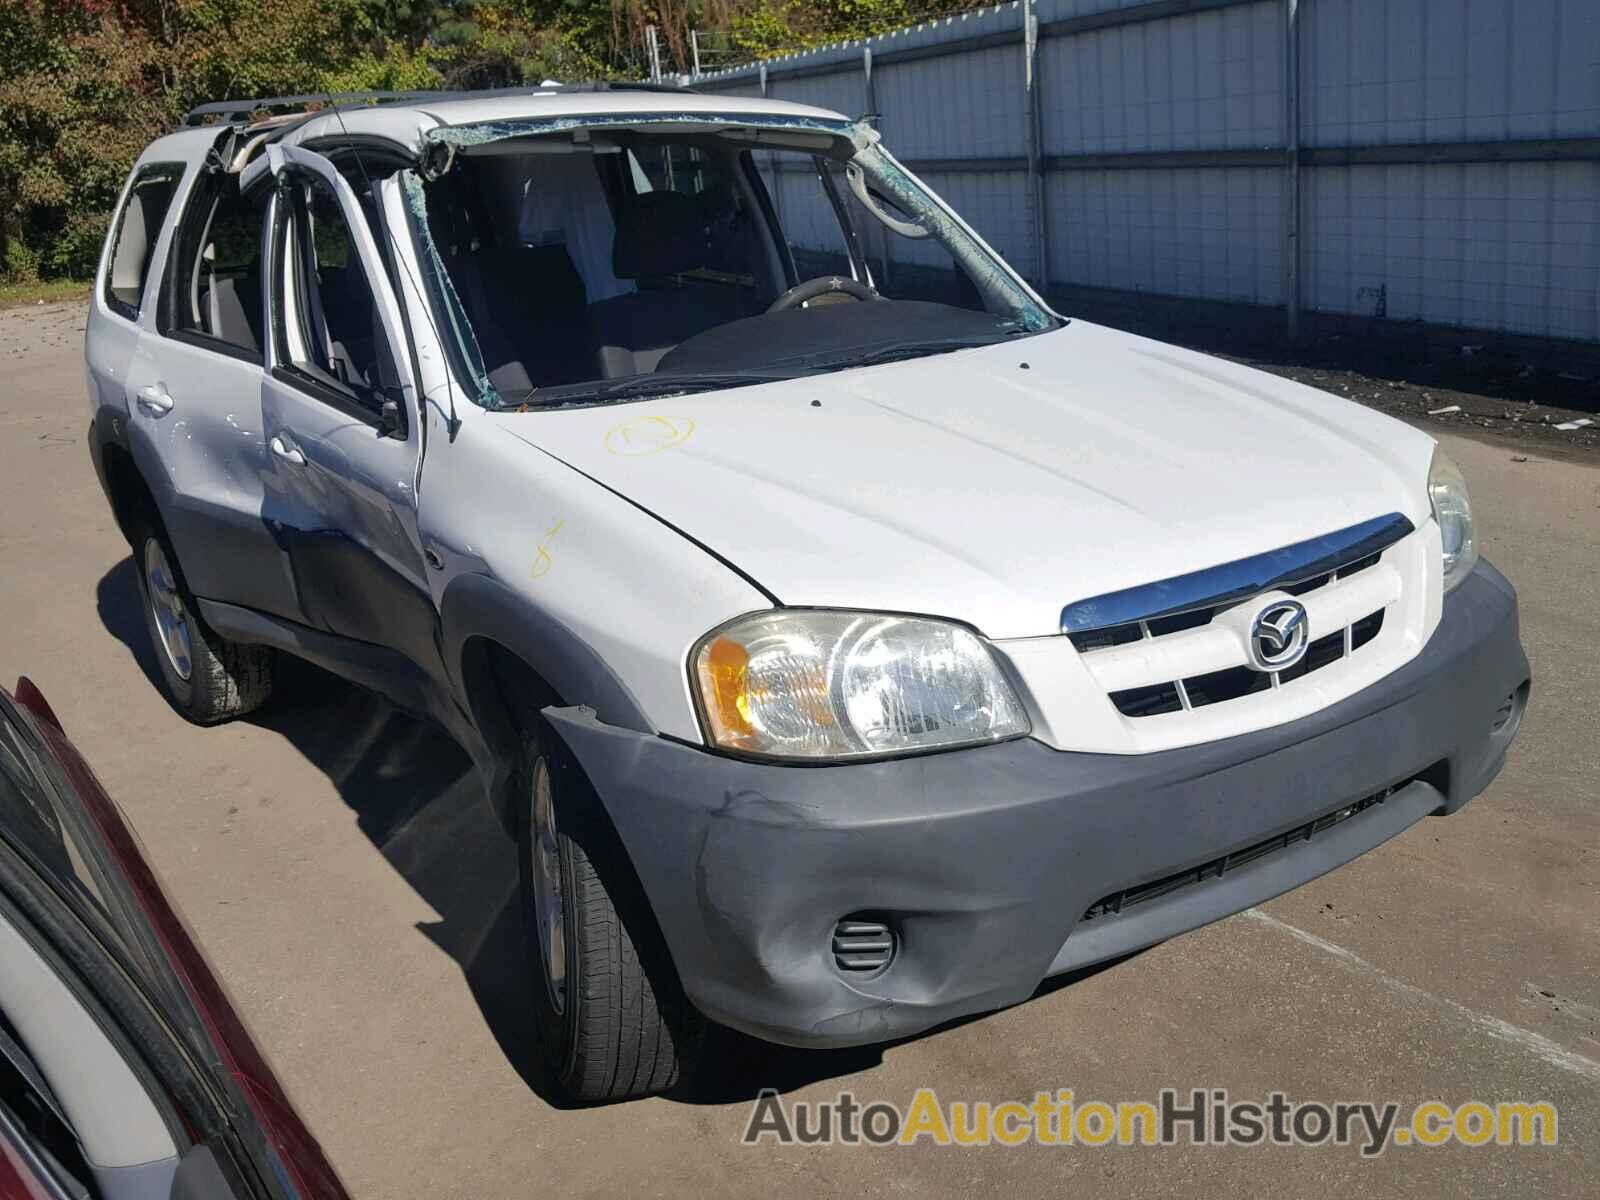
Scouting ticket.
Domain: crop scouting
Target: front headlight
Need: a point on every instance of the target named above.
(819, 685)
(1453, 512)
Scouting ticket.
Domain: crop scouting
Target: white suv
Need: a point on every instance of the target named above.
(850, 641)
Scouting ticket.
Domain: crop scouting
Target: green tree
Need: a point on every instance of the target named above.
(78, 102)
(86, 84)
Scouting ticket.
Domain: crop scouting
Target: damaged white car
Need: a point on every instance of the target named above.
(849, 641)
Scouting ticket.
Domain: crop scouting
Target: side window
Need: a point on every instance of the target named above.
(807, 217)
(920, 268)
(215, 278)
(676, 167)
(134, 239)
(328, 331)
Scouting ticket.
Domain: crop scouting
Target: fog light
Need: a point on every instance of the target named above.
(863, 945)
(1509, 715)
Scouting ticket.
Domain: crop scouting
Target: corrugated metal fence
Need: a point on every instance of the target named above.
(1432, 160)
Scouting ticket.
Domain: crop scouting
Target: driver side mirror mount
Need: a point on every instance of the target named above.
(391, 417)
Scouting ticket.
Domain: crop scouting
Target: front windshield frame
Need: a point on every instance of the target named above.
(840, 140)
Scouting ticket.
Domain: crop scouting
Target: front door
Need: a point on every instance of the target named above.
(340, 417)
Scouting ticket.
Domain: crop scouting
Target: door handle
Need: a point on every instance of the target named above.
(155, 400)
(283, 446)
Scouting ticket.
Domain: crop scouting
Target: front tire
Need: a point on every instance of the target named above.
(614, 1023)
(207, 678)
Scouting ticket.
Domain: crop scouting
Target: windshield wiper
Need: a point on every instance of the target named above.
(897, 351)
(639, 387)
(669, 384)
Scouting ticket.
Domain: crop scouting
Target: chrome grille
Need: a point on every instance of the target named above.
(1177, 645)
(1233, 683)
(1227, 583)
(1132, 631)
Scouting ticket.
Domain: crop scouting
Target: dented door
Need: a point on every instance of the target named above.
(339, 414)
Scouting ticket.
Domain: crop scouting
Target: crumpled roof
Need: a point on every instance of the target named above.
(410, 123)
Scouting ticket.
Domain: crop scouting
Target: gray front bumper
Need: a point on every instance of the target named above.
(986, 860)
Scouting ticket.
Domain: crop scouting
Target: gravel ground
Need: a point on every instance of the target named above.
(1441, 397)
(28, 329)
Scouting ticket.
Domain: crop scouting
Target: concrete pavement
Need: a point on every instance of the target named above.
(339, 866)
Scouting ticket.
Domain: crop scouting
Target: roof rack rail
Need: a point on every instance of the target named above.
(241, 111)
(231, 111)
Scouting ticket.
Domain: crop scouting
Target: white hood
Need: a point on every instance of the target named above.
(973, 487)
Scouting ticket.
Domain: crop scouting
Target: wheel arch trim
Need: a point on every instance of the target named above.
(483, 623)
(127, 491)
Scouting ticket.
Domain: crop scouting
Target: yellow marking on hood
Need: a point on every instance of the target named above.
(647, 435)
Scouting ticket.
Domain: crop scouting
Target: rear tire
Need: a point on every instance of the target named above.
(614, 1023)
(207, 678)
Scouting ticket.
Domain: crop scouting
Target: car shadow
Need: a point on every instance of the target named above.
(121, 608)
(740, 1068)
(416, 798)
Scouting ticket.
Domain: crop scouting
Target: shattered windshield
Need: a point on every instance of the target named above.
(587, 264)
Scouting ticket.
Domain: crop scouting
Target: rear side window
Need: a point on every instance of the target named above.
(215, 278)
(134, 239)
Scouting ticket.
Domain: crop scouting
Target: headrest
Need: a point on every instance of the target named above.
(659, 233)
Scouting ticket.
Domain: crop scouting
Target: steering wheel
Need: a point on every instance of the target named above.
(823, 285)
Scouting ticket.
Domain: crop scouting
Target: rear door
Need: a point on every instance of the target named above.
(340, 416)
(117, 310)
(194, 400)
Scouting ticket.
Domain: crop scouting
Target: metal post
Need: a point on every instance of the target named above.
(1291, 203)
(871, 94)
(694, 51)
(777, 174)
(653, 49)
(1036, 199)
(870, 89)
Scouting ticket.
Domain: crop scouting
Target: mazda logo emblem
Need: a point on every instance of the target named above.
(1278, 635)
